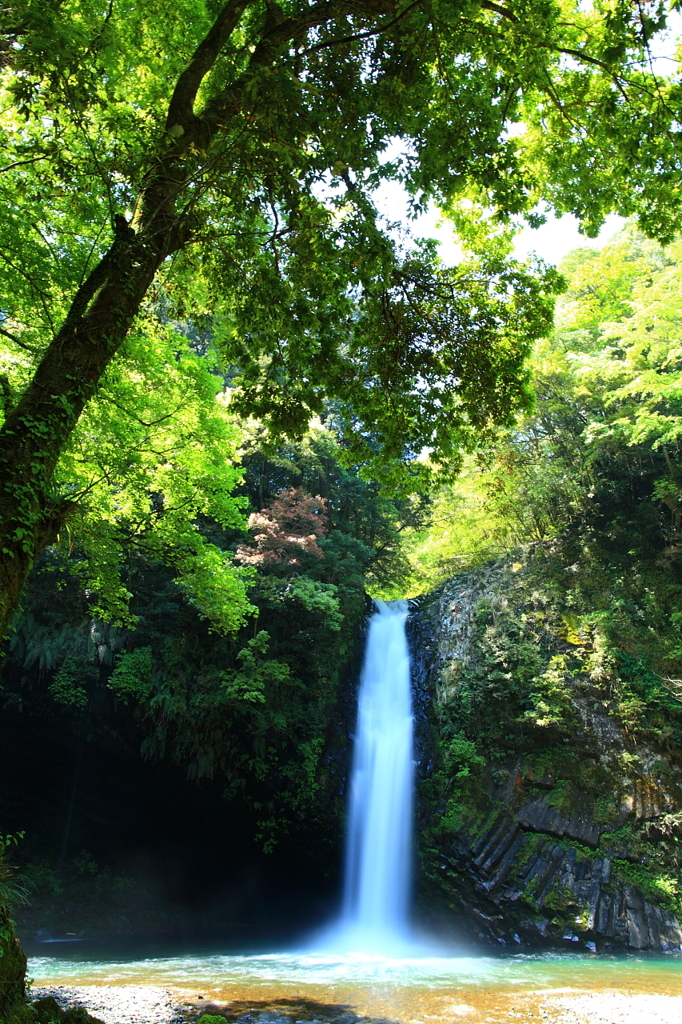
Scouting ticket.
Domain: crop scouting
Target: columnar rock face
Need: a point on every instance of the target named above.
(521, 886)
(547, 815)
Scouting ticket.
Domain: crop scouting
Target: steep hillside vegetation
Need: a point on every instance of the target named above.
(555, 811)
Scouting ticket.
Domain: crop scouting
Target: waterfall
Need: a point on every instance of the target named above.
(379, 843)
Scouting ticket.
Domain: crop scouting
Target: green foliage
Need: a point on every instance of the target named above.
(12, 958)
(571, 626)
(235, 153)
(256, 708)
(550, 635)
(462, 754)
(154, 452)
(10, 891)
(67, 687)
(132, 675)
(596, 465)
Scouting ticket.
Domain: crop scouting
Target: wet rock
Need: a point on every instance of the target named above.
(576, 823)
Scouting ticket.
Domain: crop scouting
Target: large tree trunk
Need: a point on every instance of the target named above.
(12, 967)
(36, 431)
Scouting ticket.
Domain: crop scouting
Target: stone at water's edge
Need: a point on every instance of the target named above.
(532, 860)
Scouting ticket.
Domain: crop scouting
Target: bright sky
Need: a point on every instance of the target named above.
(552, 241)
(559, 235)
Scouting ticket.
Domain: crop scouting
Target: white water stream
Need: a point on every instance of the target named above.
(378, 866)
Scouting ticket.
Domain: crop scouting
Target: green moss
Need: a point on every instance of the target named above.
(21, 1014)
(530, 844)
(659, 888)
(12, 974)
(560, 899)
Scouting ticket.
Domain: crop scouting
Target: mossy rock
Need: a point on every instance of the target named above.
(12, 969)
(48, 1011)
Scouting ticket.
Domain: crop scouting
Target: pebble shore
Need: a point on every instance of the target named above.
(614, 1008)
(145, 1004)
(118, 1004)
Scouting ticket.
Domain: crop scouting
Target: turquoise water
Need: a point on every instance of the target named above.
(414, 989)
(546, 969)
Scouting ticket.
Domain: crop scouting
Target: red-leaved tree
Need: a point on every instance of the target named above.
(285, 531)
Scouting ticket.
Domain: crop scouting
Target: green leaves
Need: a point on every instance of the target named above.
(153, 452)
(596, 462)
(132, 675)
(235, 152)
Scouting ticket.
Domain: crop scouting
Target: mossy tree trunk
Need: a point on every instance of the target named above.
(36, 431)
(12, 967)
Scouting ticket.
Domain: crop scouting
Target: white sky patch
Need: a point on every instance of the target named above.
(559, 235)
(664, 45)
(551, 241)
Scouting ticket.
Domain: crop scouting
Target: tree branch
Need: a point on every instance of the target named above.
(599, 64)
(22, 344)
(22, 163)
(488, 5)
(364, 35)
(181, 106)
(583, 56)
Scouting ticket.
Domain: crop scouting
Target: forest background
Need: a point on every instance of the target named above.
(590, 479)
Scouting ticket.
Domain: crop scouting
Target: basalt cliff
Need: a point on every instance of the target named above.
(550, 807)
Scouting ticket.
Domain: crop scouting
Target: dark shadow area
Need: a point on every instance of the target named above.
(118, 846)
(266, 1011)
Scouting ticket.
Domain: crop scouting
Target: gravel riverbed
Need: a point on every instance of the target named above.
(146, 1004)
(118, 1004)
(614, 1008)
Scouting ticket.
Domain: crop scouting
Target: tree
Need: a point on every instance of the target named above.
(287, 531)
(257, 707)
(233, 150)
(595, 467)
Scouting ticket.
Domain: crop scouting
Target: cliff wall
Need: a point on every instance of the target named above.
(550, 806)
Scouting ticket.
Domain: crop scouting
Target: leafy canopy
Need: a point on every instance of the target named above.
(278, 155)
(599, 459)
(235, 151)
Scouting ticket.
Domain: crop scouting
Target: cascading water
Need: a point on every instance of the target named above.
(379, 844)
